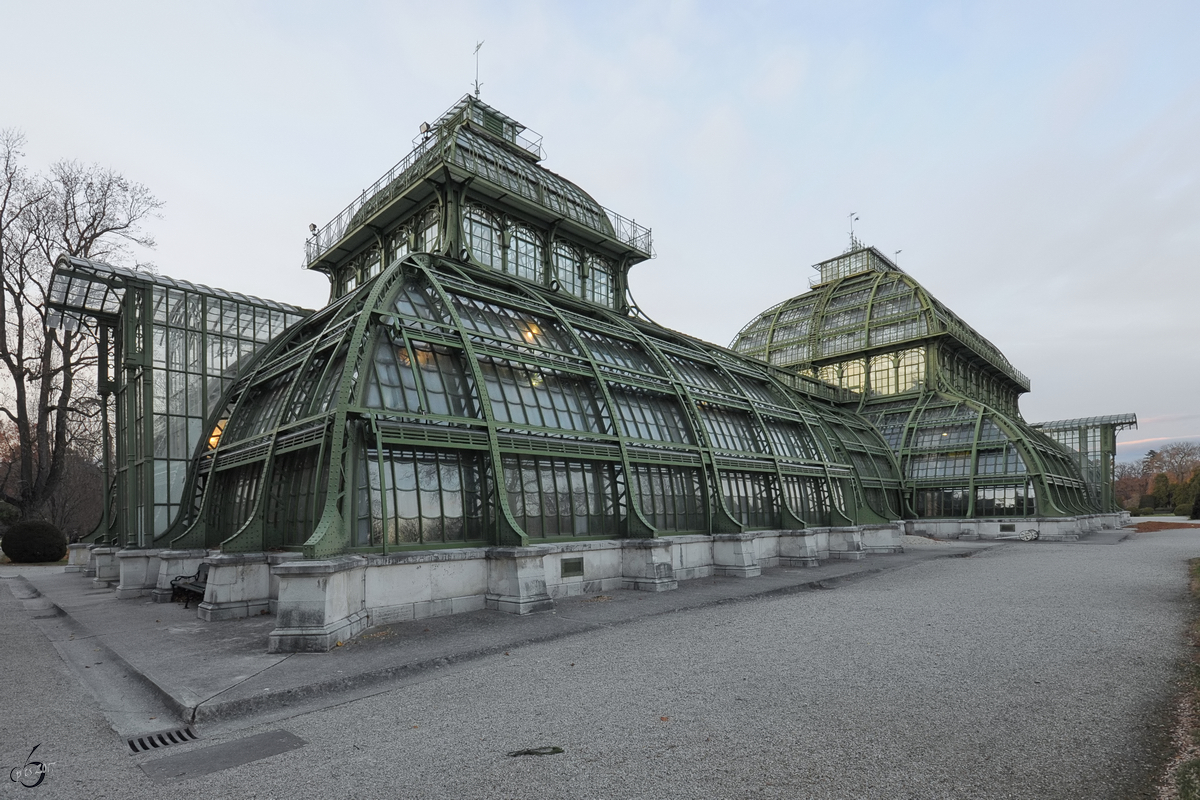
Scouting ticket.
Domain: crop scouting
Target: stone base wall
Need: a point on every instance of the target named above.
(323, 602)
(1054, 529)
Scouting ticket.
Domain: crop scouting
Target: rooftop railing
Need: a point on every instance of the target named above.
(395, 179)
(984, 349)
(406, 172)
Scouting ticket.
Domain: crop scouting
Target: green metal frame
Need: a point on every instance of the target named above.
(837, 323)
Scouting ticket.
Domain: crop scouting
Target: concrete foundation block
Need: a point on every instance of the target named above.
(138, 571)
(239, 585)
(735, 555)
(845, 544)
(273, 560)
(517, 580)
(798, 549)
(320, 604)
(108, 570)
(78, 555)
(647, 565)
(883, 538)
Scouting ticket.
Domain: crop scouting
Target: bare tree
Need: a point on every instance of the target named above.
(1179, 460)
(72, 209)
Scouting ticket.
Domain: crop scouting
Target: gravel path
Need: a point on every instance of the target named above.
(1024, 671)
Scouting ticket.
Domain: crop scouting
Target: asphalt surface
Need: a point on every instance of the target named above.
(1027, 670)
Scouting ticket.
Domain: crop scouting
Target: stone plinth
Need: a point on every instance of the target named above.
(139, 572)
(883, 538)
(646, 565)
(274, 559)
(239, 585)
(735, 555)
(517, 580)
(108, 571)
(78, 555)
(798, 549)
(320, 604)
(846, 544)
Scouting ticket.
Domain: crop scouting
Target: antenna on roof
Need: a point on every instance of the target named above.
(477, 83)
(853, 215)
(896, 256)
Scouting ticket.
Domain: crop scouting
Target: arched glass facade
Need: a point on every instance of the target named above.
(445, 405)
(481, 376)
(942, 396)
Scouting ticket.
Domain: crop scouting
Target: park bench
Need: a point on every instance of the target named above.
(188, 585)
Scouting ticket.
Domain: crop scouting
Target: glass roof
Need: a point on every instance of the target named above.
(82, 288)
(862, 302)
(1122, 421)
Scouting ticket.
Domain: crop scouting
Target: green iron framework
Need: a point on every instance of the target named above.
(941, 395)
(169, 350)
(480, 376)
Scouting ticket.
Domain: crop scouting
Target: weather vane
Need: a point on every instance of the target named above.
(477, 83)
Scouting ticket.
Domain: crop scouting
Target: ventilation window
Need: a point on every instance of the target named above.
(572, 567)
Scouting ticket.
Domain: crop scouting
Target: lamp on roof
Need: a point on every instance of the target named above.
(312, 228)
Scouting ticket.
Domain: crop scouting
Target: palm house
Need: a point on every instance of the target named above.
(942, 396)
(481, 417)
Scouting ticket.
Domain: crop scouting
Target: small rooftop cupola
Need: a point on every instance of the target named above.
(857, 258)
(473, 189)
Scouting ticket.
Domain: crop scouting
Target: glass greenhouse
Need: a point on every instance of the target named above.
(943, 397)
(480, 376)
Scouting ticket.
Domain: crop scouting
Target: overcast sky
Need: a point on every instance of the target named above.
(1038, 164)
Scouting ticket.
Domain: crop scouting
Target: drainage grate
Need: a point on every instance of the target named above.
(141, 744)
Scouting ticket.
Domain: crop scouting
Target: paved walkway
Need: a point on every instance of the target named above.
(1029, 670)
(213, 672)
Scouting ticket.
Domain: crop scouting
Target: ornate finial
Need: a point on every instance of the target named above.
(477, 83)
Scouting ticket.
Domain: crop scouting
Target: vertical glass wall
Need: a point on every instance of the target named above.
(179, 347)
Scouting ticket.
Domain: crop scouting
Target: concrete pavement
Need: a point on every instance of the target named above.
(1027, 670)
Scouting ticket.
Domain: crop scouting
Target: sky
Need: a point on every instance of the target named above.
(1036, 164)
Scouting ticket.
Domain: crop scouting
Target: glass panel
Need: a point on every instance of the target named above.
(552, 497)
(483, 237)
(750, 497)
(645, 415)
(523, 394)
(567, 267)
(513, 324)
(525, 254)
(729, 429)
(430, 496)
(671, 498)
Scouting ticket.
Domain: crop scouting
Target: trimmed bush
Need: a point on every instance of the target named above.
(1145, 511)
(33, 541)
(1183, 509)
(1164, 511)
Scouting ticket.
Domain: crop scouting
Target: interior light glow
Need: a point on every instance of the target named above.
(215, 437)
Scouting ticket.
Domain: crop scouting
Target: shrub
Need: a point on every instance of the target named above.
(1164, 511)
(1183, 509)
(32, 541)
(1145, 511)
(1195, 509)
